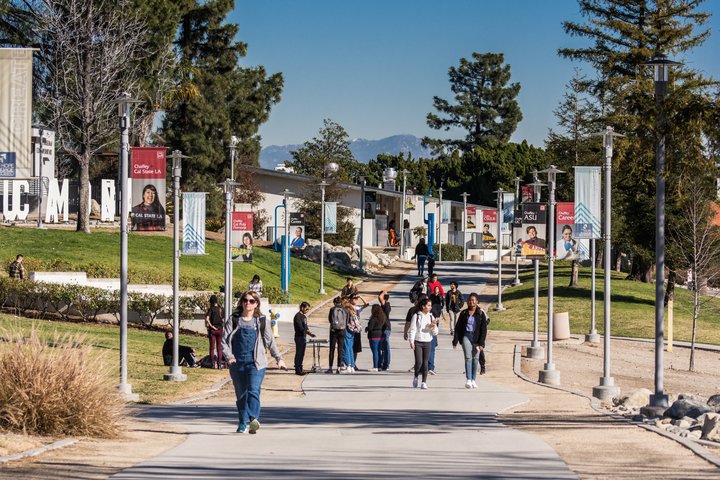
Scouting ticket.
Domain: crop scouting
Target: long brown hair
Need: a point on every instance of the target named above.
(376, 311)
(254, 295)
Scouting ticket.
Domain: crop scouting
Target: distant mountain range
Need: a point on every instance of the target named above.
(363, 150)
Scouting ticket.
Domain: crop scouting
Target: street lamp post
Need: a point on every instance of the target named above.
(229, 191)
(607, 389)
(440, 221)
(549, 374)
(286, 243)
(661, 66)
(361, 263)
(402, 216)
(39, 150)
(175, 373)
(499, 306)
(535, 350)
(329, 170)
(234, 142)
(517, 281)
(124, 102)
(464, 227)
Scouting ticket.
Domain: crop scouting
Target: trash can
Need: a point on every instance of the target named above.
(561, 326)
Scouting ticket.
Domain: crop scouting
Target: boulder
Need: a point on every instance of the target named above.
(635, 399)
(94, 208)
(370, 259)
(686, 407)
(714, 402)
(685, 422)
(311, 242)
(711, 427)
(339, 259)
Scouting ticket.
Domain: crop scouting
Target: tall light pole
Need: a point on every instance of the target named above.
(41, 162)
(464, 226)
(175, 373)
(499, 192)
(234, 142)
(517, 281)
(661, 66)
(329, 170)
(361, 264)
(229, 190)
(607, 389)
(549, 374)
(402, 216)
(440, 222)
(535, 350)
(286, 243)
(124, 102)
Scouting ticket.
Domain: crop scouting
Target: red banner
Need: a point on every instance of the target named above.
(565, 213)
(148, 162)
(489, 216)
(148, 188)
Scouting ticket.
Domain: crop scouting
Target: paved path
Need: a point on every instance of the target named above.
(365, 424)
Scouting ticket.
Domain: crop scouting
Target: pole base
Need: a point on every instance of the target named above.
(592, 337)
(125, 391)
(549, 377)
(175, 375)
(534, 352)
(606, 391)
(499, 307)
(659, 400)
(651, 411)
(321, 291)
(517, 282)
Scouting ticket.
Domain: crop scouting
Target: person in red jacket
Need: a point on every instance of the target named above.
(434, 282)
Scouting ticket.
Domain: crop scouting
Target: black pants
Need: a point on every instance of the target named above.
(300, 343)
(422, 355)
(337, 337)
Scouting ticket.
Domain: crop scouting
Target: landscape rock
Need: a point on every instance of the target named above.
(635, 399)
(711, 427)
(94, 208)
(685, 422)
(686, 407)
(714, 402)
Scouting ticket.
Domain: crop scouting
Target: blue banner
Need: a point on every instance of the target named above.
(194, 223)
(330, 217)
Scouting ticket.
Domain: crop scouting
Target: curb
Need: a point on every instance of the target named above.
(691, 445)
(37, 451)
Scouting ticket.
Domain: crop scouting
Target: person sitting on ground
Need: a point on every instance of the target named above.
(185, 353)
(17, 269)
(349, 290)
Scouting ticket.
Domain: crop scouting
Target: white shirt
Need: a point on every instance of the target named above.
(422, 328)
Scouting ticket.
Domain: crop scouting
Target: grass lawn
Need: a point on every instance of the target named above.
(145, 366)
(150, 258)
(632, 307)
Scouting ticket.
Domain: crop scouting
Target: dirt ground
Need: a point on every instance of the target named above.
(592, 444)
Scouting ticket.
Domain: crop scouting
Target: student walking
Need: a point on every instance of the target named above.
(215, 321)
(375, 328)
(422, 330)
(471, 333)
(421, 253)
(338, 319)
(384, 299)
(246, 338)
(453, 304)
(301, 333)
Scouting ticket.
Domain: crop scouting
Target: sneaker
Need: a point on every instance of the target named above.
(468, 384)
(241, 428)
(473, 384)
(351, 369)
(415, 382)
(423, 386)
(329, 370)
(254, 426)
(482, 370)
(373, 369)
(432, 372)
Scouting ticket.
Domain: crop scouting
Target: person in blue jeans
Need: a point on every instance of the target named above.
(384, 299)
(471, 333)
(353, 327)
(375, 328)
(246, 336)
(421, 253)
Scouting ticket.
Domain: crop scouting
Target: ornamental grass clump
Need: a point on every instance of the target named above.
(56, 387)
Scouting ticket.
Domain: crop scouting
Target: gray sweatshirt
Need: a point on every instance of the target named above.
(268, 341)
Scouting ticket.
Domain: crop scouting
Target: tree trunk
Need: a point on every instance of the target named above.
(696, 313)
(575, 272)
(83, 217)
(642, 269)
(670, 287)
(618, 260)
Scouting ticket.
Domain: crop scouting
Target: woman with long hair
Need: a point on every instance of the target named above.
(422, 330)
(376, 326)
(215, 321)
(353, 326)
(149, 214)
(471, 332)
(256, 285)
(247, 335)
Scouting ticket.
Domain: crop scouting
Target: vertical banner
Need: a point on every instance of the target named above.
(527, 194)
(532, 243)
(297, 231)
(193, 223)
(330, 217)
(587, 202)
(148, 166)
(15, 110)
(489, 226)
(370, 202)
(566, 246)
(471, 223)
(445, 211)
(508, 211)
(241, 240)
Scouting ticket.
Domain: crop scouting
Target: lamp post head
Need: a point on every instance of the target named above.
(331, 169)
(552, 172)
(123, 101)
(661, 66)
(234, 141)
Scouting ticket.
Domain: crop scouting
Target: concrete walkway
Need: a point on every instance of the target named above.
(366, 424)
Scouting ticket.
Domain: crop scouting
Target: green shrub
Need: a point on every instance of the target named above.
(275, 295)
(194, 283)
(99, 270)
(214, 224)
(148, 306)
(56, 387)
(451, 253)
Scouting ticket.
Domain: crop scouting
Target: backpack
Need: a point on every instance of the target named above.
(216, 317)
(414, 294)
(338, 318)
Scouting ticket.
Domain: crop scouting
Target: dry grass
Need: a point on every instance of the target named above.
(56, 387)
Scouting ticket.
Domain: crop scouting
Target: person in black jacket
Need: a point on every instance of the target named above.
(184, 353)
(421, 253)
(376, 325)
(453, 304)
(301, 333)
(471, 332)
(384, 300)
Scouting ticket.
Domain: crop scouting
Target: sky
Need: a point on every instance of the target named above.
(374, 66)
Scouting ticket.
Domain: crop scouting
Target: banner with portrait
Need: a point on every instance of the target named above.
(241, 238)
(193, 223)
(297, 230)
(15, 113)
(148, 173)
(370, 202)
(567, 245)
(330, 217)
(489, 228)
(471, 222)
(587, 202)
(532, 240)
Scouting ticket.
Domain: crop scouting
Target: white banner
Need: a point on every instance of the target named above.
(193, 223)
(15, 111)
(445, 211)
(508, 211)
(587, 202)
(330, 217)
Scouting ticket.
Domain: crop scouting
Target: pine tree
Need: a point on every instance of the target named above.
(486, 106)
